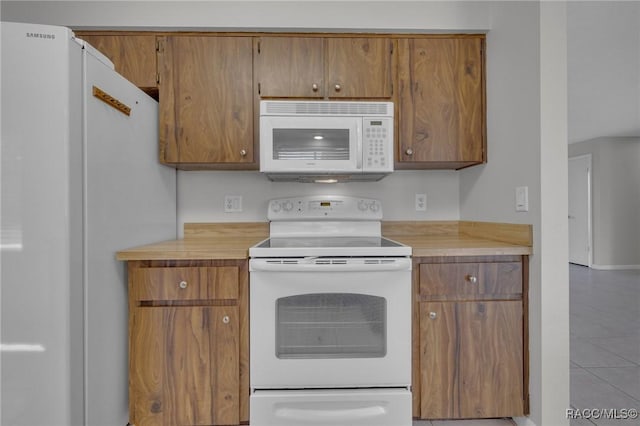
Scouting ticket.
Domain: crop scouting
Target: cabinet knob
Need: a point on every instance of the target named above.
(243, 152)
(472, 279)
(315, 87)
(183, 284)
(409, 151)
(432, 315)
(338, 87)
(225, 319)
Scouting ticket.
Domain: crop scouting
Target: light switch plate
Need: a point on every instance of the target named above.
(522, 199)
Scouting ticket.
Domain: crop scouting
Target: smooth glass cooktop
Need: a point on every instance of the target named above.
(328, 242)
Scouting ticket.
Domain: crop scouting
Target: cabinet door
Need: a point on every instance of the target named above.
(290, 67)
(490, 359)
(441, 101)
(184, 366)
(438, 360)
(359, 68)
(471, 363)
(134, 56)
(206, 99)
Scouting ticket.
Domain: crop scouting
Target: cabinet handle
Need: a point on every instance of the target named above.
(315, 87)
(243, 152)
(225, 319)
(432, 315)
(338, 87)
(183, 284)
(409, 151)
(471, 278)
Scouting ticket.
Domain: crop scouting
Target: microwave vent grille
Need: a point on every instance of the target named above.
(328, 108)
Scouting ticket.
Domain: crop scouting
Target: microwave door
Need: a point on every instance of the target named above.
(310, 144)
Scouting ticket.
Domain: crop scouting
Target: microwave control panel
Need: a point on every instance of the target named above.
(377, 144)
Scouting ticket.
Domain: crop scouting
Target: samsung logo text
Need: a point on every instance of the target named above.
(41, 35)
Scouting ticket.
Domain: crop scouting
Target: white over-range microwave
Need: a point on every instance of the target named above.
(324, 141)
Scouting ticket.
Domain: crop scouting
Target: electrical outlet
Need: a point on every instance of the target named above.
(232, 203)
(421, 202)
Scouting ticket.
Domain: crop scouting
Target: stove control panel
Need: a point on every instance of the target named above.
(324, 207)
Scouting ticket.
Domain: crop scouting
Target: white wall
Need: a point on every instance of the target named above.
(201, 194)
(604, 65)
(615, 200)
(523, 133)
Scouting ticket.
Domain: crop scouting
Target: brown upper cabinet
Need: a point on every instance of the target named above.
(441, 102)
(209, 86)
(318, 67)
(133, 55)
(206, 101)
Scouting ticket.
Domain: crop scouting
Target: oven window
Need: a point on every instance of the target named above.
(331, 325)
(311, 144)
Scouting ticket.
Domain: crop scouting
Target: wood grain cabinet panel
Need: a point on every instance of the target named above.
(206, 100)
(471, 359)
(290, 67)
(470, 338)
(324, 67)
(359, 68)
(188, 374)
(471, 280)
(186, 283)
(133, 55)
(188, 345)
(441, 106)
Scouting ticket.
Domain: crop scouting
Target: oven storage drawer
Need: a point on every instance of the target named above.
(348, 407)
(474, 280)
(185, 283)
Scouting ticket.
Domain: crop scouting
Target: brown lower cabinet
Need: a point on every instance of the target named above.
(188, 343)
(189, 340)
(470, 354)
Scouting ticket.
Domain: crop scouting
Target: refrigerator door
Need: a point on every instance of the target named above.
(130, 199)
(80, 181)
(40, 168)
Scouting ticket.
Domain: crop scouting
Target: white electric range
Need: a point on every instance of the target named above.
(330, 317)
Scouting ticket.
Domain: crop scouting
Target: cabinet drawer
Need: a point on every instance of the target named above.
(460, 281)
(185, 283)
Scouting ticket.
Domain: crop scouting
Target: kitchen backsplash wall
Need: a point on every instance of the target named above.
(201, 195)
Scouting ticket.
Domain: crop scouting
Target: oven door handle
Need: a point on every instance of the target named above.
(308, 265)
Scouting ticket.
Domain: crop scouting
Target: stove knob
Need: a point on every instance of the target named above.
(374, 207)
(287, 206)
(276, 207)
(362, 205)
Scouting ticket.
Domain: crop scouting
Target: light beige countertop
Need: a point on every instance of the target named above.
(224, 241)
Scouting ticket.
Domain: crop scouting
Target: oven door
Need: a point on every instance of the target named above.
(328, 323)
(310, 144)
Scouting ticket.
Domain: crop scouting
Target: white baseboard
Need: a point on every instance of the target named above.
(614, 267)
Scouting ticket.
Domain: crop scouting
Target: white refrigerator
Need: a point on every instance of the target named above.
(80, 180)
